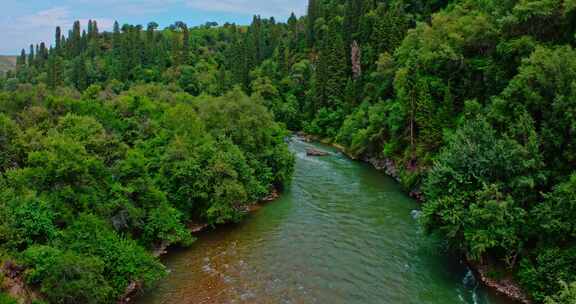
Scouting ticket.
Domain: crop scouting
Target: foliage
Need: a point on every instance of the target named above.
(5, 299)
(67, 277)
(566, 295)
(91, 184)
(140, 130)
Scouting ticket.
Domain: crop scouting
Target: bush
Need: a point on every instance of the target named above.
(66, 277)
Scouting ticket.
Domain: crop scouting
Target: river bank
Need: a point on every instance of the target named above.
(13, 282)
(195, 228)
(341, 232)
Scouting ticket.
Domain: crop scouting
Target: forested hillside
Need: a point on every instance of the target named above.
(135, 132)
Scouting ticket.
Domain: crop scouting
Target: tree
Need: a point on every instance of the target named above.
(313, 14)
(21, 60)
(331, 73)
(79, 78)
(185, 45)
(58, 39)
(476, 190)
(75, 40)
(566, 295)
(116, 40)
(55, 71)
(66, 277)
(31, 56)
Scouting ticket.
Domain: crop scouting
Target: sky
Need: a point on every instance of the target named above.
(32, 21)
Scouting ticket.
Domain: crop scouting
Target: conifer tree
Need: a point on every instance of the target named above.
(313, 14)
(54, 71)
(90, 29)
(79, 78)
(58, 38)
(332, 72)
(125, 52)
(352, 21)
(75, 43)
(292, 22)
(116, 39)
(176, 49)
(95, 30)
(41, 55)
(21, 60)
(31, 55)
(185, 44)
(151, 48)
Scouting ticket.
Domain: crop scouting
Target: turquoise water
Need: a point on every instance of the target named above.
(342, 232)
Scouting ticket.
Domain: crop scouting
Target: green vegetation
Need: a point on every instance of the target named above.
(4, 299)
(91, 184)
(566, 295)
(136, 132)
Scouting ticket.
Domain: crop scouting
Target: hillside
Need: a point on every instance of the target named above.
(7, 63)
(134, 134)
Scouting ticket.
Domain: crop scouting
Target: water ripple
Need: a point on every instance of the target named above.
(341, 233)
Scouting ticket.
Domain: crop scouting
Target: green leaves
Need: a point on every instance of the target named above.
(66, 277)
(555, 215)
(567, 294)
(88, 187)
(475, 191)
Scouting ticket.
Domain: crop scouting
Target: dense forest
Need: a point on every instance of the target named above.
(113, 142)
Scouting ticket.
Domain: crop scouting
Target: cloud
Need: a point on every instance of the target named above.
(47, 18)
(279, 8)
(104, 24)
(19, 32)
(130, 7)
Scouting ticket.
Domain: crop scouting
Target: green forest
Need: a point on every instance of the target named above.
(113, 143)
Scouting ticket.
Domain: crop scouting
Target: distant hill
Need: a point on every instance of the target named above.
(7, 63)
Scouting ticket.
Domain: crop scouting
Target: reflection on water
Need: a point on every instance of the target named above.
(341, 233)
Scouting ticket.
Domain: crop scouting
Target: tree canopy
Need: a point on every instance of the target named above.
(139, 131)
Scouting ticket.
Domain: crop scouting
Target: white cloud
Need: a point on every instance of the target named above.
(40, 26)
(46, 18)
(104, 24)
(278, 8)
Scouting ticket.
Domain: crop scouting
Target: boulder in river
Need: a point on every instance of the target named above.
(315, 152)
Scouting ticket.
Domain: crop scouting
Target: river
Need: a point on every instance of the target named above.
(341, 232)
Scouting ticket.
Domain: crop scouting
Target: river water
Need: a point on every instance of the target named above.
(341, 232)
